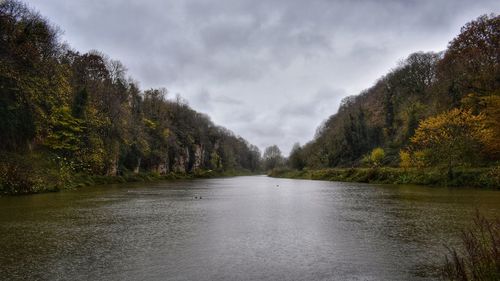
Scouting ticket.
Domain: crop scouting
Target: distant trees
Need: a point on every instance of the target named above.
(296, 158)
(272, 158)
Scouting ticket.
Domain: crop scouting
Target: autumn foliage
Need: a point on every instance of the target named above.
(455, 137)
(434, 110)
(64, 113)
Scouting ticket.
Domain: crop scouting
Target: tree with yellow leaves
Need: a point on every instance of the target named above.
(375, 157)
(453, 138)
(490, 107)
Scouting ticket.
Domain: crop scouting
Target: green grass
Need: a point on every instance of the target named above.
(90, 180)
(471, 177)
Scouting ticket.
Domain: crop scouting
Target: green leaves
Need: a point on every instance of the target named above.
(65, 132)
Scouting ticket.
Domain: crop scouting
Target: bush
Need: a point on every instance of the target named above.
(479, 257)
(375, 157)
(32, 173)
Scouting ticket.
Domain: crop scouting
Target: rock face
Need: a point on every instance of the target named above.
(113, 168)
(181, 161)
(189, 160)
(198, 157)
(162, 169)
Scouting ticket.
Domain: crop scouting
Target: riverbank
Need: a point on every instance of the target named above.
(87, 180)
(470, 177)
(83, 180)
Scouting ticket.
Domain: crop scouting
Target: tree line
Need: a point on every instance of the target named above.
(432, 110)
(64, 113)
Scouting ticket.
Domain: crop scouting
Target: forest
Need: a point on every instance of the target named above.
(433, 113)
(67, 117)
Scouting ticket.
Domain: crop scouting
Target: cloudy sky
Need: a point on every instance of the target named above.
(271, 71)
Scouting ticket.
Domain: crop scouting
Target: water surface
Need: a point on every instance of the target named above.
(242, 228)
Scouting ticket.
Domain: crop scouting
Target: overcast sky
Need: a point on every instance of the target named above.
(271, 71)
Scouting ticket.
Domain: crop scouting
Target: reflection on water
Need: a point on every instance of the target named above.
(243, 228)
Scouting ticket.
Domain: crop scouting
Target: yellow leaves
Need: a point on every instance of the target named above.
(447, 126)
(404, 159)
(409, 159)
(419, 158)
(375, 157)
(492, 138)
(455, 137)
(150, 124)
(166, 133)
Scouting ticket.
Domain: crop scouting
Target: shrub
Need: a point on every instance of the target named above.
(375, 157)
(404, 159)
(33, 172)
(479, 258)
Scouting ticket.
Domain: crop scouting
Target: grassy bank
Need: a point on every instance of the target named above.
(82, 180)
(89, 180)
(471, 177)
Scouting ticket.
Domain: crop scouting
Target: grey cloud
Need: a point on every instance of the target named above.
(207, 100)
(227, 100)
(324, 99)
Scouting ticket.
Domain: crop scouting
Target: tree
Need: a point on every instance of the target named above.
(32, 81)
(80, 103)
(254, 158)
(453, 138)
(272, 157)
(65, 132)
(405, 159)
(296, 159)
(472, 61)
(490, 107)
(56, 102)
(375, 157)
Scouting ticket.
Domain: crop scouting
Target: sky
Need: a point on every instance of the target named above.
(270, 71)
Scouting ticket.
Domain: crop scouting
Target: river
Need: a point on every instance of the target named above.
(241, 228)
